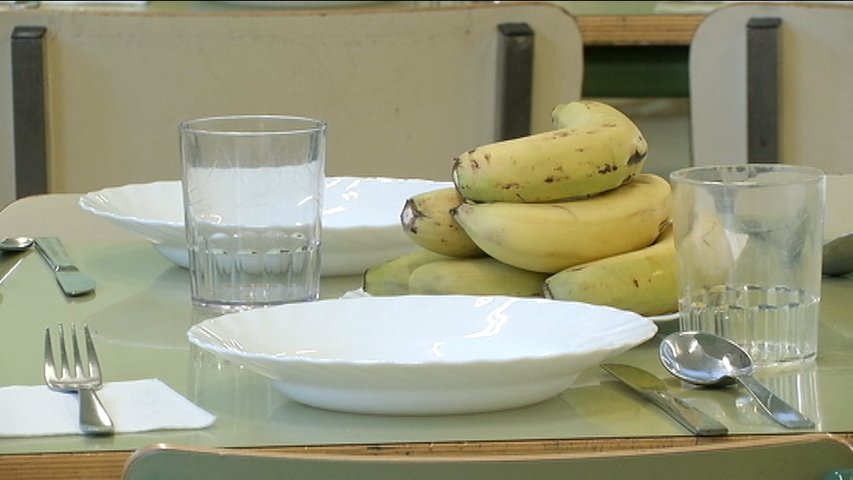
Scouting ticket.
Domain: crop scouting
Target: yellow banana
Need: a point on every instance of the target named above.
(549, 237)
(581, 113)
(427, 220)
(598, 149)
(644, 281)
(392, 277)
(475, 276)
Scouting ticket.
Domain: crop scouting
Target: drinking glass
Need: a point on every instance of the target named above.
(749, 240)
(253, 195)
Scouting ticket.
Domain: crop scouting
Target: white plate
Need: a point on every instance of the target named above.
(361, 218)
(423, 355)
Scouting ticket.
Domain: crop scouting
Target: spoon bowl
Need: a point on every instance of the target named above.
(15, 244)
(710, 360)
(704, 359)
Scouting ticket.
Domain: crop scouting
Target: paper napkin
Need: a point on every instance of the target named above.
(134, 406)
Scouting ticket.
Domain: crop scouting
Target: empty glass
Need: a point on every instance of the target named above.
(749, 240)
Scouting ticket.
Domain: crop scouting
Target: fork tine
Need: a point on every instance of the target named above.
(49, 367)
(63, 354)
(94, 364)
(75, 348)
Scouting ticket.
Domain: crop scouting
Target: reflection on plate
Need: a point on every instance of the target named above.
(361, 218)
(422, 355)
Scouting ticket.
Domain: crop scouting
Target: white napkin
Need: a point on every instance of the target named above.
(134, 406)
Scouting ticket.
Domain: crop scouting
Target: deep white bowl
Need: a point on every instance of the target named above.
(361, 218)
(423, 355)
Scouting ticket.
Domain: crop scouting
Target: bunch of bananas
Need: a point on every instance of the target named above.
(565, 214)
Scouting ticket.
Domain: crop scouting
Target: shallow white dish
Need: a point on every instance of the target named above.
(361, 218)
(422, 355)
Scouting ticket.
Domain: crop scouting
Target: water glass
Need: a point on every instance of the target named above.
(749, 240)
(253, 195)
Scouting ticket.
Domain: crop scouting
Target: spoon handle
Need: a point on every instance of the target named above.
(780, 411)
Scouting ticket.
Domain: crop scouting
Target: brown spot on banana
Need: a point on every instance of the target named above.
(636, 158)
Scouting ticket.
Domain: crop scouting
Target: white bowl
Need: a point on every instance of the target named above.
(423, 355)
(361, 218)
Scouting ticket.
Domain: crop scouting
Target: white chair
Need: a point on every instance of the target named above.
(773, 82)
(797, 457)
(403, 90)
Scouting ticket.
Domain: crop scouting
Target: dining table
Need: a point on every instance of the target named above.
(141, 310)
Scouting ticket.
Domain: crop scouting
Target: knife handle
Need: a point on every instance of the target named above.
(54, 252)
(691, 418)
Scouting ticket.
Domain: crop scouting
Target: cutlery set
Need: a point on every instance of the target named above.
(71, 280)
(83, 379)
(707, 360)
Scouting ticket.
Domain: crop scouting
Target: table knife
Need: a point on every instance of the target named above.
(655, 390)
(72, 281)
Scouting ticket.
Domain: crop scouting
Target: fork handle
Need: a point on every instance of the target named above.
(94, 419)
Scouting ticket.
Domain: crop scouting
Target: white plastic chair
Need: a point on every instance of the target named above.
(773, 83)
(403, 90)
(816, 456)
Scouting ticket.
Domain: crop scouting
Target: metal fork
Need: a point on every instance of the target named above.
(94, 419)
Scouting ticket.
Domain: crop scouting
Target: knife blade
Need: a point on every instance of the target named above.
(72, 281)
(655, 390)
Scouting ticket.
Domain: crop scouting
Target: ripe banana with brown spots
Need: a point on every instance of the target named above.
(644, 281)
(549, 237)
(594, 149)
(427, 220)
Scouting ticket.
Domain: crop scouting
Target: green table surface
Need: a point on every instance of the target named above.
(141, 311)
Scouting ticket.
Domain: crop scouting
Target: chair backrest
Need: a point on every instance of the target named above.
(795, 457)
(403, 90)
(772, 82)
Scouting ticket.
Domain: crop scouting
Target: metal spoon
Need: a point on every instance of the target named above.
(713, 361)
(15, 244)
